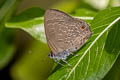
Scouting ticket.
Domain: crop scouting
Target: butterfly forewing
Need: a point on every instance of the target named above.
(54, 25)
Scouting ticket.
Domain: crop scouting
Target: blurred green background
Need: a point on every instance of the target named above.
(22, 57)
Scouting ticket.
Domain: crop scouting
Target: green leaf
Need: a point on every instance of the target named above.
(30, 21)
(84, 12)
(8, 5)
(7, 47)
(34, 64)
(97, 57)
(114, 73)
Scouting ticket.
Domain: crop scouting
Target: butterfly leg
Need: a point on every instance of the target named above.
(77, 55)
(66, 62)
(58, 62)
(72, 53)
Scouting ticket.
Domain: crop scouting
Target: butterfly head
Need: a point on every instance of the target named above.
(51, 55)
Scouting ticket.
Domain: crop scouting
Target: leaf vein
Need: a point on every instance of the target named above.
(105, 19)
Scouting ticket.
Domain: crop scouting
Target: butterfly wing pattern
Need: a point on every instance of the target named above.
(64, 33)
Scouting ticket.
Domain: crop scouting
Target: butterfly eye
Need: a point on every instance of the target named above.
(82, 27)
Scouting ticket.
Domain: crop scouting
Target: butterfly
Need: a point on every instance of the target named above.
(64, 33)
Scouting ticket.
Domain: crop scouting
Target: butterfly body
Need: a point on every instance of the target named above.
(64, 33)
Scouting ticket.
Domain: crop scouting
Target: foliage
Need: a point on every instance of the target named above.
(98, 59)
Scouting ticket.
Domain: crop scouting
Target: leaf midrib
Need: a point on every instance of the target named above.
(109, 26)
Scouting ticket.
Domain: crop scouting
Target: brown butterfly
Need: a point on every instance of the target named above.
(64, 33)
